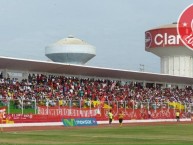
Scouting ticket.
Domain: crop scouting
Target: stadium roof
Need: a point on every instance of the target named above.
(61, 68)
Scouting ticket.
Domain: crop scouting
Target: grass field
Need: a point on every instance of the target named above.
(170, 134)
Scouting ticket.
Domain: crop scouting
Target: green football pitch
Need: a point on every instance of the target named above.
(170, 134)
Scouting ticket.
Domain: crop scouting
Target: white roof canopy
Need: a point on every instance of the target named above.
(61, 68)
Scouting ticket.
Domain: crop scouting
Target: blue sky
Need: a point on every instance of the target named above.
(115, 27)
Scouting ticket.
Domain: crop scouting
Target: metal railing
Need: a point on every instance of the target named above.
(23, 106)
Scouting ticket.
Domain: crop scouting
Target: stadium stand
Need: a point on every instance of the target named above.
(47, 91)
(58, 90)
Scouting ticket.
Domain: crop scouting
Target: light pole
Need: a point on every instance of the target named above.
(141, 67)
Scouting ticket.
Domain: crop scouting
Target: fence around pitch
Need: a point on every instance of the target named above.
(22, 106)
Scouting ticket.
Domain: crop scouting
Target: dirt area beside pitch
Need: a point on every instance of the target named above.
(39, 128)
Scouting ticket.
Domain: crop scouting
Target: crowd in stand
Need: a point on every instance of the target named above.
(60, 90)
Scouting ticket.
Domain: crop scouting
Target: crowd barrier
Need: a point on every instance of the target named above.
(17, 111)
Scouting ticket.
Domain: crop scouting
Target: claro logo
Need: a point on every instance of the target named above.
(161, 39)
(165, 39)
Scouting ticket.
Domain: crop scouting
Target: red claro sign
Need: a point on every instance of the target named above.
(185, 27)
(163, 37)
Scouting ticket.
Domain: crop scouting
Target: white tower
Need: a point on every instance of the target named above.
(176, 58)
(70, 50)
